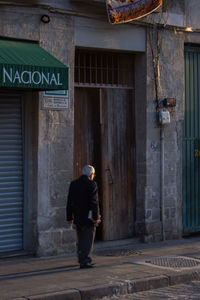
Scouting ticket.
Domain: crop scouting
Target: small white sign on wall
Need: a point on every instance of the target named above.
(55, 100)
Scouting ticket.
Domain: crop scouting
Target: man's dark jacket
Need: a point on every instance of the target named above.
(82, 197)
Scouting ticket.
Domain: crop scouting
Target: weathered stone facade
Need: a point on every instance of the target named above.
(158, 149)
(164, 143)
(51, 151)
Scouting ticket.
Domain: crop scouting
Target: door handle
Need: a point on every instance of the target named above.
(197, 147)
(110, 178)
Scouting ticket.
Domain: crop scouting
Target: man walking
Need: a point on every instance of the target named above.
(82, 202)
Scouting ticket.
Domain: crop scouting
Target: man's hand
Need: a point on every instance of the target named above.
(97, 221)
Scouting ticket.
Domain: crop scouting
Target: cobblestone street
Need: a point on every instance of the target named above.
(187, 291)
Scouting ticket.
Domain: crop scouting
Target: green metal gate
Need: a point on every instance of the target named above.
(191, 142)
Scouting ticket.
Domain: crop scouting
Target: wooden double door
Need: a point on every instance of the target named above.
(104, 137)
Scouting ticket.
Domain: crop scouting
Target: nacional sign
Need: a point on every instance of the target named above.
(29, 77)
(21, 77)
(121, 11)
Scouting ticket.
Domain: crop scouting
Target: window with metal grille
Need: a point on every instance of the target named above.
(98, 68)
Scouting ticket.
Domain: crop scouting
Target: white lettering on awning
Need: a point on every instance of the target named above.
(17, 77)
(53, 78)
(28, 77)
(7, 75)
(36, 75)
(58, 79)
(46, 78)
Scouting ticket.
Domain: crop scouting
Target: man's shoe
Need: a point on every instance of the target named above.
(86, 266)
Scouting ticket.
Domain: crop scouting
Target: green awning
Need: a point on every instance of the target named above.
(27, 65)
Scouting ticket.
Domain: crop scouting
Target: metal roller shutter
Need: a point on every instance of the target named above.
(191, 142)
(11, 175)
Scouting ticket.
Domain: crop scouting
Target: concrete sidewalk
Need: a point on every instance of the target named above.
(123, 269)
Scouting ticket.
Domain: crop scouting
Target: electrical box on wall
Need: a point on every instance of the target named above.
(169, 102)
(164, 117)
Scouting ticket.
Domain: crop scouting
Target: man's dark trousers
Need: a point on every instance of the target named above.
(85, 241)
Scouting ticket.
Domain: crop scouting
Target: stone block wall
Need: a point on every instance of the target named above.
(52, 131)
(164, 170)
(55, 149)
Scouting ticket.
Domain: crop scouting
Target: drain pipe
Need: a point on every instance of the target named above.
(162, 170)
